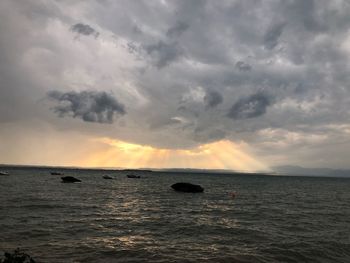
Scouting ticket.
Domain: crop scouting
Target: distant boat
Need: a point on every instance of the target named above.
(133, 176)
(107, 177)
(56, 173)
(4, 173)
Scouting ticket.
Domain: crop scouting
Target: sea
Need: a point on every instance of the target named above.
(271, 219)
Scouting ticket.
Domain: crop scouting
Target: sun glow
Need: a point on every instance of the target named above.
(217, 155)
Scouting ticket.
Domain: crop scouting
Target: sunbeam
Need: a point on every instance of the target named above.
(217, 155)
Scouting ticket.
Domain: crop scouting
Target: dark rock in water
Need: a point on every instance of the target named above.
(56, 173)
(107, 177)
(69, 179)
(17, 257)
(187, 188)
(133, 176)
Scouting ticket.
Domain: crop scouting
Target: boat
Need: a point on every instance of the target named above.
(107, 177)
(4, 173)
(133, 176)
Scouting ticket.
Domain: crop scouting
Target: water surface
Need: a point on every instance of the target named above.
(272, 219)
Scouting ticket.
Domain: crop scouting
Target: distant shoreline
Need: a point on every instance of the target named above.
(302, 172)
(154, 170)
(175, 170)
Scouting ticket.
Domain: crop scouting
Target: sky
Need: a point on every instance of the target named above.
(243, 85)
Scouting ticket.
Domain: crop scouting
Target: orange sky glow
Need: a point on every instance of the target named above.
(217, 155)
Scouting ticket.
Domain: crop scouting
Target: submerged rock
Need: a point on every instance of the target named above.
(107, 177)
(187, 188)
(70, 179)
(133, 176)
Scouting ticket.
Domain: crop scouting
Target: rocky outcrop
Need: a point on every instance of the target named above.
(133, 176)
(187, 188)
(17, 257)
(70, 179)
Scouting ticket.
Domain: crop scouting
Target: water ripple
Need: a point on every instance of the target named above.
(273, 219)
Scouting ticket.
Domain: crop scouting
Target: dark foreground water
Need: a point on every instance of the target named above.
(272, 219)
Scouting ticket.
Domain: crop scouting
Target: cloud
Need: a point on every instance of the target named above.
(156, 54)
(90, 106)
(132, 48)
(212, 98)
(250, 107)
(242, 66)
(306, 12)
(272, 35)
(163, 53)
(208, 135)
(85, 29)
(177, 29)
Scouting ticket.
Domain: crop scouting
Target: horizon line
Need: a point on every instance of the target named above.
(125, 168)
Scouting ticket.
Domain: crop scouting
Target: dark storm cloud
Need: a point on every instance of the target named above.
(250, 107)
(163, 53)
(90, 106)
(272, 35)
(177, 29)
(212, 98)
(242, 66)
(85, 29)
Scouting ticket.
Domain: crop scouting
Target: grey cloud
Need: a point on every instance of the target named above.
(163, 53)
(300, 89)
(34, 58)
(136, 29)
(132, 48)
(85, 29)
(305, 11)
(159, 123)
(242, 66)
(208, 135)
(250, 107)
(212, 98)
(90, 106)
(136, 50)
(272, 35)
(177, 29)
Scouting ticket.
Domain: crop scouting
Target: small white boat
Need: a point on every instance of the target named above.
(4, 173)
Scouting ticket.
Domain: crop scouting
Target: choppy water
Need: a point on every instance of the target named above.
(272, 219)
